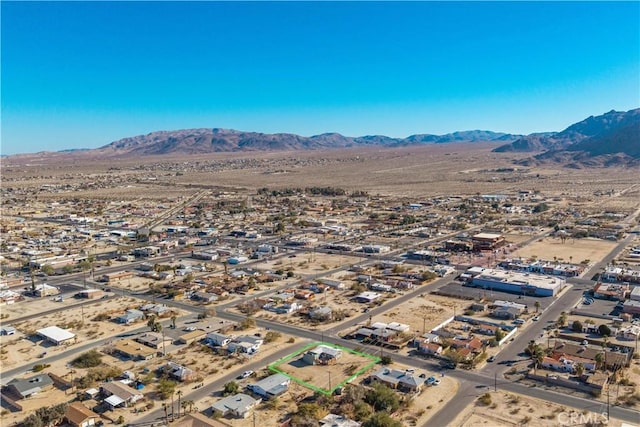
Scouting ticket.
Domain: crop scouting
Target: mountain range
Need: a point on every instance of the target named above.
(207, 140)
(612, 138)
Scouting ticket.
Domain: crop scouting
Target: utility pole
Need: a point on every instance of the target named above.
(495, 381)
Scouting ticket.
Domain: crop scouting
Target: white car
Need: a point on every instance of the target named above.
(190, 329)
(246, 374)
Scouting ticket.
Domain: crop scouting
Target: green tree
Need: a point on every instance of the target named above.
(604, 330)
(48, 269)
(230, 388)
(576, 326)
(361, 411)
(579, 369)
(562, 320)
(382, 398)
(166, 388)
(381, 419)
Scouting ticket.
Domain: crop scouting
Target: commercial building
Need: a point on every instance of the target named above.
(487, 241)
(518, 283)
(55, 335)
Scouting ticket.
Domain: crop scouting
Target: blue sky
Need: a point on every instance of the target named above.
(84, 74)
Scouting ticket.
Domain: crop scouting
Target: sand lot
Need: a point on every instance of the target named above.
(424, 310)
(309, 263)
(509, 409)
(573, 250)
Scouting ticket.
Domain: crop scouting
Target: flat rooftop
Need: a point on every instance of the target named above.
(517, 278)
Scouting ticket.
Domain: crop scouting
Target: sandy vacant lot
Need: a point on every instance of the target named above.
(309, 263)
(425, 311)
(509, 409)
(573, 250)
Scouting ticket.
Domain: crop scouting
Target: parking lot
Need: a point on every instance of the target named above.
(455, 289)
(598, 307)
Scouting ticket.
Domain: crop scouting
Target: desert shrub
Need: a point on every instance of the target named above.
(90, 359)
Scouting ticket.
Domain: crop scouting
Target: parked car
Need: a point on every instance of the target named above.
(491, 359)
(246, 374)
(536, 318)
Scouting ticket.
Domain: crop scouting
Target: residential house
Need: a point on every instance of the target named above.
(130, 316)
(333, 420)
(237, 406)
(397, 379)
(321, 313)
(199, 420)
(204, 297)
(506, 313)
(216, 339)
(191, 336)
(554, 364)
(242, 347)
(152, 339)
(426, 347)
(79, 415)
(119, 394)
(178, 372)
(27, 387)
(335, 284)
(133, 350)
(367, 297)
(570, 351)
(271, 386)
(487, 329)
(322, 355)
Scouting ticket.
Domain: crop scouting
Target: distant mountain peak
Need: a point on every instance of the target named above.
(611, 138)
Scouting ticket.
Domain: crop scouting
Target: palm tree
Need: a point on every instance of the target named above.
(579, 369)
(537, 306)
(166, 416)
(179, 393)
(173, 321)
(184, 405)
(152, 324)
(190, 404)
(599, 360)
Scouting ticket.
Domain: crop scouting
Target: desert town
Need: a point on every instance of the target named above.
(140, 295)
